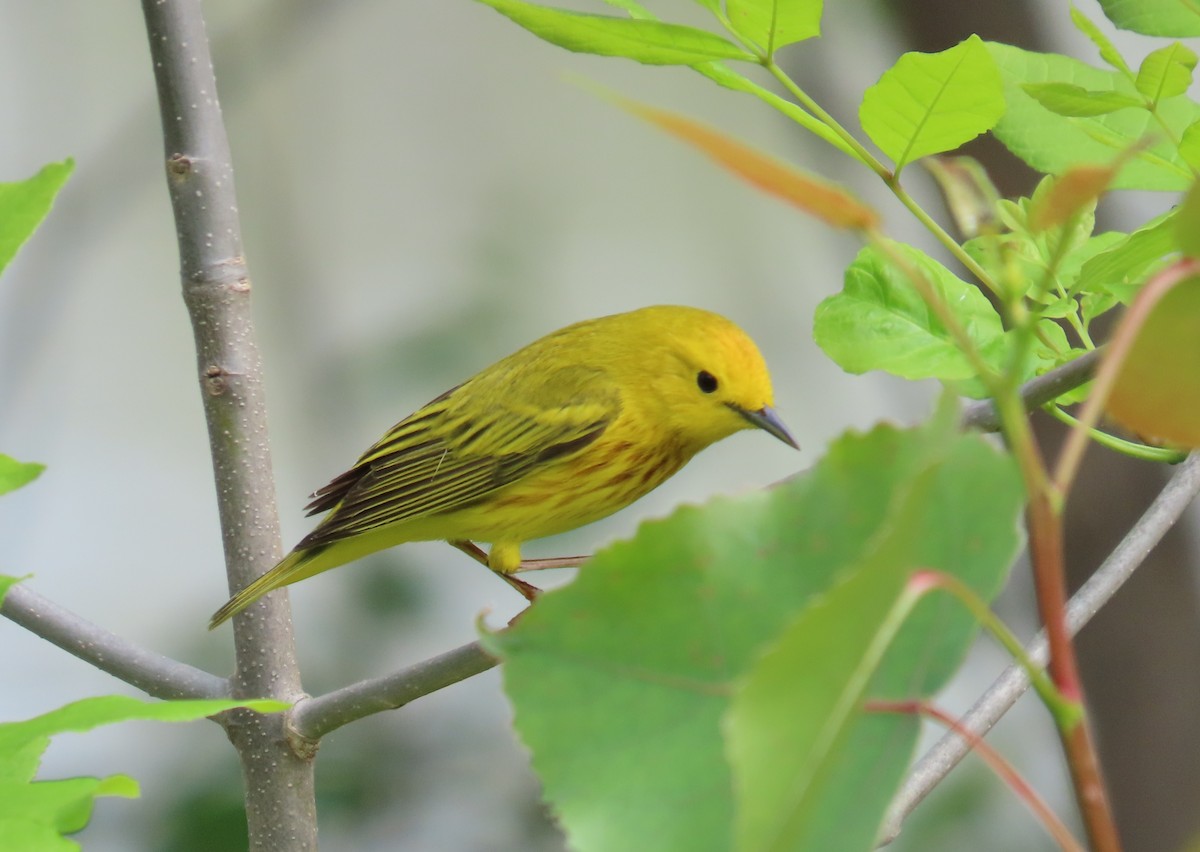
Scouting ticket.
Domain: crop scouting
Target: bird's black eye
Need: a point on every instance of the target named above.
(706, 381)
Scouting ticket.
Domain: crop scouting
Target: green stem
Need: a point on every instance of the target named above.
(1120, 445)
(1065, 711)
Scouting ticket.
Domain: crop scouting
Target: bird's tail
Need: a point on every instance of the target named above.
(295, 566)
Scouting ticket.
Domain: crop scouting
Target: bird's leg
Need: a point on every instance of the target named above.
(552, 562)
(526, 590)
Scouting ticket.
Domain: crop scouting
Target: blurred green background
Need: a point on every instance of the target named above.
(422, 191)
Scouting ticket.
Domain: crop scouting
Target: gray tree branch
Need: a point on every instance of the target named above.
(1036, 392)
(313, 718)
(152, 673)
(1166, 509)
(279, 789)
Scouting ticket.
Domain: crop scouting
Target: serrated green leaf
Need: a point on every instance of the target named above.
(1053, 143)
(928, 103)
(1169, 18)
(799, 742)
(1166, 72)
(24, 204)
(880, 322)
(1070, 100)
(642, 40)
(625, 725)
(1108, 51)
(15, 474)
(772, 24)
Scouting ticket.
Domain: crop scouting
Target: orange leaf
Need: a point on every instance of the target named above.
(1157, 388)
(827, 201)
(1074, 190)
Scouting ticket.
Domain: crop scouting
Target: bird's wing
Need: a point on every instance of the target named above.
(463, 446)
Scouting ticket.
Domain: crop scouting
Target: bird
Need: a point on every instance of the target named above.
(567, 430)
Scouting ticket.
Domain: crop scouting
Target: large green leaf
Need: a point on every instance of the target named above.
(23, 206)
(928, 103)
(1053, 143)
(621, 681)
(880, 322)
(805, 756)
(1171, 18)
(643, 40)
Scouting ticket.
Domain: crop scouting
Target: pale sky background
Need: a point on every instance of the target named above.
(423, 190)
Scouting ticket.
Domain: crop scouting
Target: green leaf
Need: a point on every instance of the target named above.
(66, 805)
(1127, 263)
(772, 24)
(801, 746)
(44, 809)
(1108, 51)
(1189, 145)
(15, 474)
(720, 74)
(1166, 72)
(928, 103)
(23, 206)
(1169, 18)
(646, 41)
(1053, 143)
(625, 724)
(1071, 100)
(91, 713)
(880, 322)
(1187, 223)
(1156, 393)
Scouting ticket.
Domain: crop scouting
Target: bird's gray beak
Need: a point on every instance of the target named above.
(769, 421)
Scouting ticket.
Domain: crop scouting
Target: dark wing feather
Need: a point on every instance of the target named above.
(455, 451)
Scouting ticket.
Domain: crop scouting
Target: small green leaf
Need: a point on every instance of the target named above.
(1052, 143)
(23, 206)
(880, 322)
(1166, 72)
(720, 74)
(1189, 145)
(928, 103)
(15, 474)
(1108, 52)
(1071, 100)
(772, 24)
(1168, 18)
(91, 713)
(646, 41)
(1128, 262)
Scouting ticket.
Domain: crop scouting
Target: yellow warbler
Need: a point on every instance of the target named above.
(559, 434)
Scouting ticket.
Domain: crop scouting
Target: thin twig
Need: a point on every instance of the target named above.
(313, 718)
(1166, 509)
(1036, 392)
(279, 788)
(152, 673)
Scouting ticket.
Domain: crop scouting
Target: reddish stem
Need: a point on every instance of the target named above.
(1005, 770)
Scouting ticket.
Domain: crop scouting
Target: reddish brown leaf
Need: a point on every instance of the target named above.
(827, 201)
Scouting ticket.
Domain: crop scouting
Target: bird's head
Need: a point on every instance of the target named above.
(711, 377)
